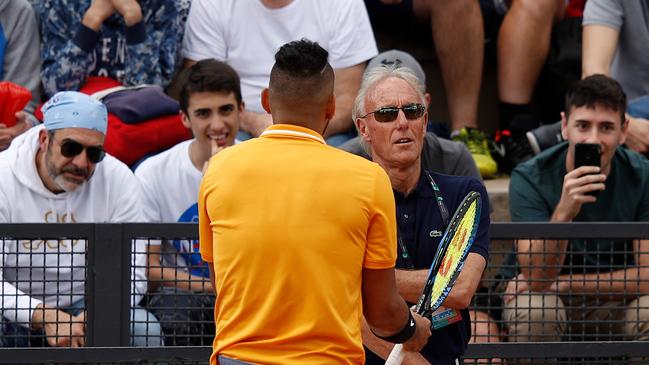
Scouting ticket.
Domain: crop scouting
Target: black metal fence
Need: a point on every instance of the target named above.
(589, 301)
(104, 267)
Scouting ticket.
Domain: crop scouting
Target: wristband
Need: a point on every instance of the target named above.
(404, 335)
(135, 34)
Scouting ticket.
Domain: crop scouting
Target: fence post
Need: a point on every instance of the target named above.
(108, 287)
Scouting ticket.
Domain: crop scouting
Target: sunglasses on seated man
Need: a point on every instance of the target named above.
(71, 148)
(389, 113)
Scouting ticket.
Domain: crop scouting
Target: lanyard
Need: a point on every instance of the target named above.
(403, 249)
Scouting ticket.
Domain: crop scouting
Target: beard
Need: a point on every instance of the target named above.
(63, 182)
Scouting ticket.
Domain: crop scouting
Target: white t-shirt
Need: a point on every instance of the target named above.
(169, 185)
(246, 35)
(631, 19)
(53, 271)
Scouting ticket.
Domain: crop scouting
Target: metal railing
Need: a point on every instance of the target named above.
(108, 296)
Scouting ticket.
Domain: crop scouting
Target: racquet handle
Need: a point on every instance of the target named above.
(396, 356)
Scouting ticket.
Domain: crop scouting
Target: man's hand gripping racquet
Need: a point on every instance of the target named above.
(447, 263)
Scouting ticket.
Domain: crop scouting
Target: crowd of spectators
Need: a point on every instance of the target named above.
(85, 61)
(556, 277)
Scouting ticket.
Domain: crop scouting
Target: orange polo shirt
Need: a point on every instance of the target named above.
(289, 224)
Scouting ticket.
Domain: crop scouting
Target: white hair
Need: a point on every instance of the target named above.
(373, 77)
(380, 73)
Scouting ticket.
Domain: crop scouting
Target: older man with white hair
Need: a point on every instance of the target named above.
(390, 114)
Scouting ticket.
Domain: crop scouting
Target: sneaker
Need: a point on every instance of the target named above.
(544, 137)
(510, 150)
(478, 145)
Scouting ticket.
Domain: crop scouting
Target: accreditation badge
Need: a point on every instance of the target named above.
(442, 317)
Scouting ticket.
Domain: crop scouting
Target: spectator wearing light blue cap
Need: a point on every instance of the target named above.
(75, 122)
(59, 173)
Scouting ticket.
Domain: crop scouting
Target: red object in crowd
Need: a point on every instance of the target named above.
(131, 142)
(13, 98)
(575, 8)
(98, 83)
(502, 133)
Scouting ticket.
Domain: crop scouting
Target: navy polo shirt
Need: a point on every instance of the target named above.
(419, 219)
(421, 227)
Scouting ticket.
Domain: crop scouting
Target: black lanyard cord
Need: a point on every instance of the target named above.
(440, 200)
(403, 249)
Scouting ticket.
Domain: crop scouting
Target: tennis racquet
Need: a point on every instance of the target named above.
(447, 263)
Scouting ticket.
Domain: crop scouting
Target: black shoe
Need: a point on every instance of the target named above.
(510, 150)
(544, 137)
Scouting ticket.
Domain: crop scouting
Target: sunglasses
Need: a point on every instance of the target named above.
(71, 148)
(390, 113)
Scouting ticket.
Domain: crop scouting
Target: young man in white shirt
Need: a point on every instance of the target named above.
(210, 103)
(246, 35)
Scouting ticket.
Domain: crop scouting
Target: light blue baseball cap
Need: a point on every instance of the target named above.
(72, 109)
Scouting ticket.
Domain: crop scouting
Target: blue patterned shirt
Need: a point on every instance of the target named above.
(145, 53)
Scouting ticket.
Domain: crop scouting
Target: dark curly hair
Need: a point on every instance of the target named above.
(597, 90)
(302, 58)
(301, 73)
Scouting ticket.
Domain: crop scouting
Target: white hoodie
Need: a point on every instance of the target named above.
(111, 195)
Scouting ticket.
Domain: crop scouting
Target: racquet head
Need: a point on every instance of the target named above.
(447, 263)
(451, 254)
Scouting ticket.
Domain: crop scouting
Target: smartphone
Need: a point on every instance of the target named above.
(588, 154)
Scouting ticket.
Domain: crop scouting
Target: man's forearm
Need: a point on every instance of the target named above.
(383, 348)
(632, 281)
(379, 347)
(541, 261)
(255, 123)
(598, 49)
(43, 314)
(97, 13)
(410, 283)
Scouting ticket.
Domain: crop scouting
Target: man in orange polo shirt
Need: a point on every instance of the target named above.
(297, 232)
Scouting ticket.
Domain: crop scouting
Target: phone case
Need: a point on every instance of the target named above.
(587, 154)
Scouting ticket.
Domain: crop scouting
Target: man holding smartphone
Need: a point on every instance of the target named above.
(561, 286)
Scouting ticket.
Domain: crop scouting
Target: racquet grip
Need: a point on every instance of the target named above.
(396, 356)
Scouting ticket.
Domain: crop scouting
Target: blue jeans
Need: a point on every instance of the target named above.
(145, 329)
(225, 361)
(639, 107)
(340, 138)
